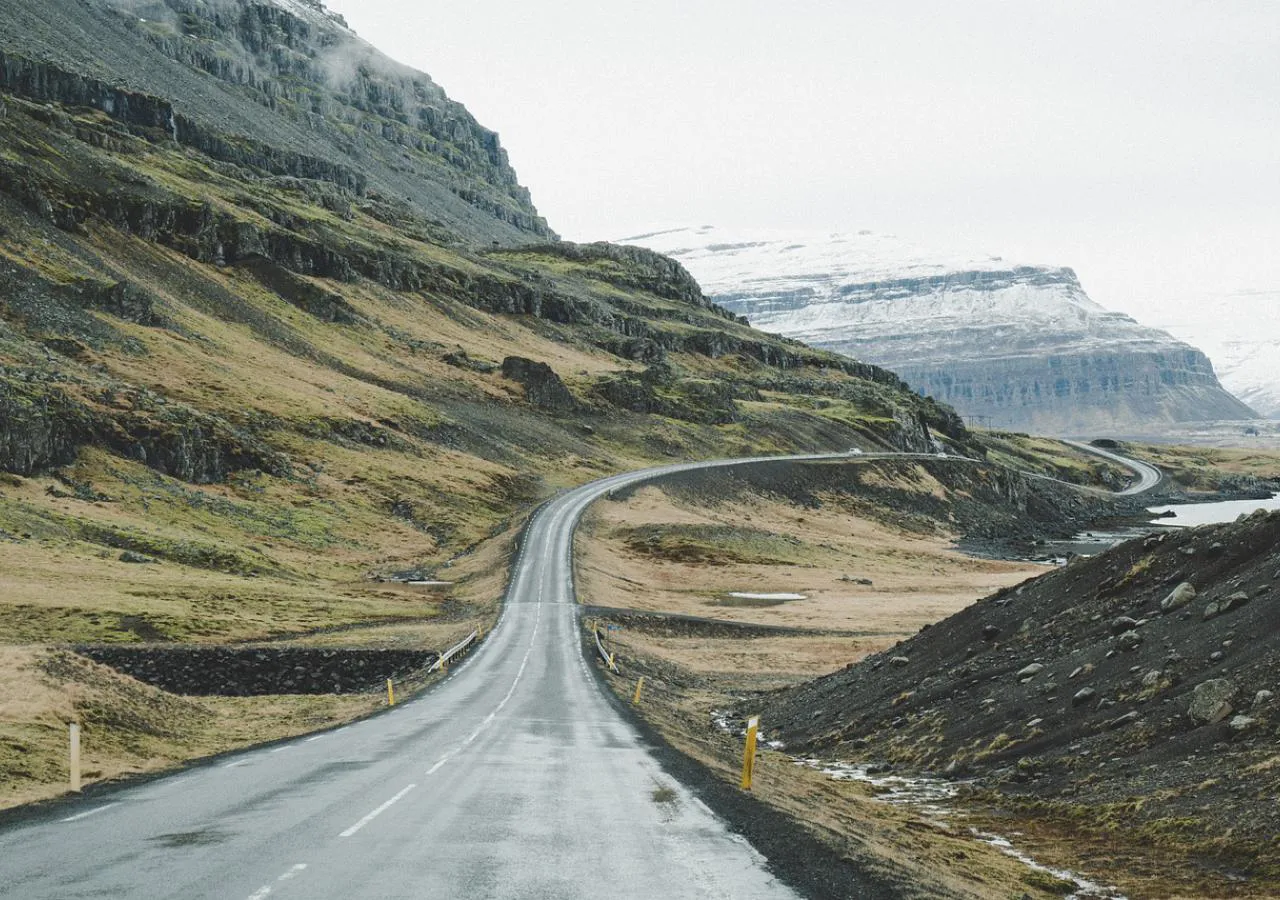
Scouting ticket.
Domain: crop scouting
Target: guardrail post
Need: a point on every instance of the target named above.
(391, 694)
(639, 687)
(75, 757)
(749, 752)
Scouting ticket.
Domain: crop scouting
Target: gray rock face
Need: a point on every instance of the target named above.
(283, 88)
(1005, 345)
(542, 386)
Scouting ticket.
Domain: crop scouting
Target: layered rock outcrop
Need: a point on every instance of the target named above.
(280, 87)
(1008, 346)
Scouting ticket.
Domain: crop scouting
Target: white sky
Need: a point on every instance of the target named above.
(1137, 141)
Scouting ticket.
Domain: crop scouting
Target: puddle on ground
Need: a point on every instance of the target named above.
(200, 838)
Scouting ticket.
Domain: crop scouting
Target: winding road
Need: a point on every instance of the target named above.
(517, 777)
(1148, 475)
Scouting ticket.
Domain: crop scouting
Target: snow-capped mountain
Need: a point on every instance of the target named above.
(1007, 344)
(1241, 333)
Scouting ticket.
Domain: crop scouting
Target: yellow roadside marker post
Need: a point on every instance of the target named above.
(391, 694)
(749, 752)
(639, 687)
(75, 757)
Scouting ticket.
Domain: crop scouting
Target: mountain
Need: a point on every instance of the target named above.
(278, 324)
(1008, 345)
(1241, 332)
(283, 87)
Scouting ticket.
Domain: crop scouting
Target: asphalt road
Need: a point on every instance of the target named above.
(515, 778)
(1148, 475)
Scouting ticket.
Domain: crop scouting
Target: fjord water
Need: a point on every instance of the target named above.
(1186, 515)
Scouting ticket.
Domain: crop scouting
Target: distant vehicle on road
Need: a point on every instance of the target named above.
(855, 451)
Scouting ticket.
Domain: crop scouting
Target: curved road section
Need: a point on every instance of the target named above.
(1148, 475)
(514, 778)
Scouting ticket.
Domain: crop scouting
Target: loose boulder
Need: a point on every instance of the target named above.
(1211, 701)
(1178, 597)
(1225, 604)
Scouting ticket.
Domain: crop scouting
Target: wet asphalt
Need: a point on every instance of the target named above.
(517, 777)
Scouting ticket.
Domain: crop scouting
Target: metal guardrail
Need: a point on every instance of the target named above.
(605, 654)
(461, 647)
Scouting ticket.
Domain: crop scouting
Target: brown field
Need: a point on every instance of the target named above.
(655, 553)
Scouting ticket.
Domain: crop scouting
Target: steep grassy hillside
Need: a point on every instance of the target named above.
(272, 387)
(280, 333)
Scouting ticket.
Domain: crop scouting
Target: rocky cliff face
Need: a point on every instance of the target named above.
(1010, 346)
(280, 86)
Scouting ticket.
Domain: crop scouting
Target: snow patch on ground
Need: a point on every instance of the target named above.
(745, 595)
(313, 12)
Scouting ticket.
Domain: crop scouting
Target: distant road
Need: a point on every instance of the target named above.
(515, 778)
(1148, 475)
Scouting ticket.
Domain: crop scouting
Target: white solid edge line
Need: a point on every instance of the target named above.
(92, 812)
(377, 812)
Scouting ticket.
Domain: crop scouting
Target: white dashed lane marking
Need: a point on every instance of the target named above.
(377, 812)
(265, 891)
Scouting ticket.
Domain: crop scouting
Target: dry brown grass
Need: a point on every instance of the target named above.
(128, 727)
(915, 581)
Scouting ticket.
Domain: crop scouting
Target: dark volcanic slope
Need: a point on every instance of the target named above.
(1089, 687)
(279, 86)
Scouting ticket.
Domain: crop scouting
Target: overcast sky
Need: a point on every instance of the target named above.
(1137, 141)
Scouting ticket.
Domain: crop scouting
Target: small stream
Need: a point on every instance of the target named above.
(930, 798)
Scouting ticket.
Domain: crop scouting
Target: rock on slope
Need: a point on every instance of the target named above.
(1007, 345)
(1135, 690)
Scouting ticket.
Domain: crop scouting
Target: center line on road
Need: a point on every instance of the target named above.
(377, 812)
(87, 814)
(265, 891)
(292, 873)
(437, 766)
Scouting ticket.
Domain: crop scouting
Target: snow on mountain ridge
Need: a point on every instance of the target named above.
(1011, 344)
(720, 258)
(1241, 333)
(811, 287)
